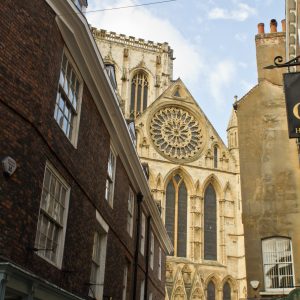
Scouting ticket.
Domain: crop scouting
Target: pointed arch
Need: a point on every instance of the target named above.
(211, 291)
(215, 182)
(176, 213)
(210, 223)
(139, 83)
(212, 277)
(231, 281)
(229, 288)
(185, 175)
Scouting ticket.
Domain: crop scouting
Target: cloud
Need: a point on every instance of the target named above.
(141, 23)
(220, 78)
(241, 13)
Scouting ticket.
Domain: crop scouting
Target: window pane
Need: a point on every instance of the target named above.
(51, 217)
(278, 265)
(210, 224)
(226, 291)
(66, 107)
(182, 221)
(211, 292)
(170, 210)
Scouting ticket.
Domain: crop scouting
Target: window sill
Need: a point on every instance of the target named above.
(279, 291)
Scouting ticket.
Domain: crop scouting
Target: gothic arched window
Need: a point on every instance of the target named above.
(226, 291)
(215, 156)
(139, 94)
(176, 214)
(210, 224)
(211, 291)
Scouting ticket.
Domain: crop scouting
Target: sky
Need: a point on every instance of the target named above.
(213, 42)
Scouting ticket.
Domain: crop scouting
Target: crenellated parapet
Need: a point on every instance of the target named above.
(131, 41)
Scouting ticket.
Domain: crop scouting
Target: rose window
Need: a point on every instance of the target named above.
(176, 133)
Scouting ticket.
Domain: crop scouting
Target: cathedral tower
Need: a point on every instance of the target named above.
(193, 176)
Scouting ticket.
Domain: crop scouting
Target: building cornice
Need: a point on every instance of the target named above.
(80, 42)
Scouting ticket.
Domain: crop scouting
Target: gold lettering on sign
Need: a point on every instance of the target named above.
(297, 130)
(296, 111)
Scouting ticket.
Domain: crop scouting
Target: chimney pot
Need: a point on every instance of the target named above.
(283, 24)
(261, 28)
(273, 26)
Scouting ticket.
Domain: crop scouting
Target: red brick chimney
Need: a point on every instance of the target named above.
(261, 28)
(283, 24)
(273, 26)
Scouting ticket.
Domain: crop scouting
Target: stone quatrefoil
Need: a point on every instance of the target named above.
(176, 133)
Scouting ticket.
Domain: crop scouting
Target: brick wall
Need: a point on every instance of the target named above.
(31, 49)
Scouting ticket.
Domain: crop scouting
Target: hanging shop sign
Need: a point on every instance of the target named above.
(292, 98)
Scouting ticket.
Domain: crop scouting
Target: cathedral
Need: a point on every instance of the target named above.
(194, 177)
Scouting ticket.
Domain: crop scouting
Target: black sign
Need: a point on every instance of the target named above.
(292, 98)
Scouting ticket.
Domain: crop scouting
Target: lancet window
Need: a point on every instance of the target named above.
(211, 291)
(139, 94)
(210, 224)
(176, 214)
(226, 291)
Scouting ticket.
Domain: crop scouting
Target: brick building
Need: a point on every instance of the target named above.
(77, 219)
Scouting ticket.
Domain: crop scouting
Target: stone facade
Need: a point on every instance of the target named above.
(270, 178)
(176, 141)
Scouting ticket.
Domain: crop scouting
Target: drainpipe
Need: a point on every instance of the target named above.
(147, 257)
(139, 199)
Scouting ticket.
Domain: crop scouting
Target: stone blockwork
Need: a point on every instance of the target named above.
(270, 175)
(175, 138)
(129, 55)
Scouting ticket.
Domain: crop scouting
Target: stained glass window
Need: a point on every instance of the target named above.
(211, 291)
(226, 291)
(176, 214)
(139, 94)
(210, 224)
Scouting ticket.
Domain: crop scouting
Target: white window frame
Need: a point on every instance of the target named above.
(57, 261)
(151, 250)
(76, 112)
(159, 264)
(143, 232)
(110, 178)
(142, 295)
(125, 274)
(130, 211)
(96, 290)
(268, 256)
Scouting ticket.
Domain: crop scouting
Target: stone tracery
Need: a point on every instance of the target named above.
(176, 133)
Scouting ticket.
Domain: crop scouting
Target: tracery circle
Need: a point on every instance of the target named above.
(176, 133)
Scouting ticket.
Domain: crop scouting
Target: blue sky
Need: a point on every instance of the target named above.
(213, 42)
